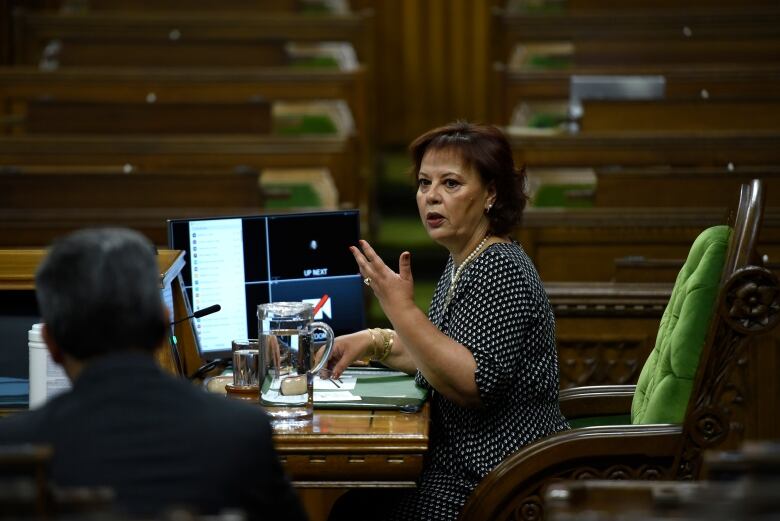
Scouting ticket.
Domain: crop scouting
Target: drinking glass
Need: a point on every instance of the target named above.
(285, 331)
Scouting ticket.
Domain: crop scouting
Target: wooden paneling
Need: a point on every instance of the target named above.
(676, 115)
(605, 331)
(431, 64)
(582, 245)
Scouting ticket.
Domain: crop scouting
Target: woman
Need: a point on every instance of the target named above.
(486, 349)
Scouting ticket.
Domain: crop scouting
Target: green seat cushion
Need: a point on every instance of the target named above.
(564, 195)
(665, 383)
(302, 124)
(600, 421)
(301, 195)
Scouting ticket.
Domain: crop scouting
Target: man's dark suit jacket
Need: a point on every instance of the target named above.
(158, 442)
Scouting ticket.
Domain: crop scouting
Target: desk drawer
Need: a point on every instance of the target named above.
(353, 467)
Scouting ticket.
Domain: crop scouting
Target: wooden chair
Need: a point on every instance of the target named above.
(24, 480)
(741, 483)
(720, 413)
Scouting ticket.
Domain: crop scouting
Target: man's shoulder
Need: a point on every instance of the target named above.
(219, 407)
(23, 426)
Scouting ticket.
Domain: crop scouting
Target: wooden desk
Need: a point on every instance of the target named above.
(356, 448)
(343, 449)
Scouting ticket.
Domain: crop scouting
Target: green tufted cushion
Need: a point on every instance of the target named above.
(666, 380)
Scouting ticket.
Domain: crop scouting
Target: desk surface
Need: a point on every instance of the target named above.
(356, 448)
(373, 430)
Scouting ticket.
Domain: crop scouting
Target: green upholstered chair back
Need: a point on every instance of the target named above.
(667, 377)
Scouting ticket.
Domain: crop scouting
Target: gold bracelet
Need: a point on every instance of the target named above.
(388, 339)
(375, 345)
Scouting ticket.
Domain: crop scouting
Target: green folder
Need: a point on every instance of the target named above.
(378, 388)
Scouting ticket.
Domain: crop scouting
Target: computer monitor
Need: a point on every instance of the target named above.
(240, 262)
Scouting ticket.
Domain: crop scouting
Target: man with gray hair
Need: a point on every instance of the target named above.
(157, 441)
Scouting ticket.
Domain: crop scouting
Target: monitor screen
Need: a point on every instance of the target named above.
(240, 262)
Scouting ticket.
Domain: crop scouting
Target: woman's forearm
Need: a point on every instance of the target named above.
(447, 365)
(399, 358)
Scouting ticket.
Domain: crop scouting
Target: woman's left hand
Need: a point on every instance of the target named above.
(393, 290)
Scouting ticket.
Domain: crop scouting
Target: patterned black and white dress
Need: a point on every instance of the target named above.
(500, 311)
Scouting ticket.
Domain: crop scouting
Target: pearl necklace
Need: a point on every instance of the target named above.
(456, 272)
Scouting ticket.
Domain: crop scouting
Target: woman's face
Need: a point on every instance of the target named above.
(452, 200)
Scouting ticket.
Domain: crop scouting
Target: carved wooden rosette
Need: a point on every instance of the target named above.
(749, 306)
(593, 362)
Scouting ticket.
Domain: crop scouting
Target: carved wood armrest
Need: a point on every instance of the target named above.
(596, 400)
(516, 485)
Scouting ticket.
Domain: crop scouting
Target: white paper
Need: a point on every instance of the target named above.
(336, 396)
(345, 383)
(323, 396)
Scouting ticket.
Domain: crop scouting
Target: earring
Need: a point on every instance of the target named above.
(489, 208)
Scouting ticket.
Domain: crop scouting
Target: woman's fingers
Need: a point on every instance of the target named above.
(369, 252)
(362, 262)
(405, 266)
(370, 264)
(338, 369)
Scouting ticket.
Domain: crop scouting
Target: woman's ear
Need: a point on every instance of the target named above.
(491, 200)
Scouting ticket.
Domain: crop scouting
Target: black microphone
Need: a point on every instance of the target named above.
(175, 343)
(199, 313)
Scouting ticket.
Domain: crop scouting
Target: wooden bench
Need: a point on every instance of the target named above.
(696, 148)
(38, 205)
(180, 39)
(580, 245)
(674, 186)
(613, 5)
(45, 116)
(679, 115)
(703, 51)
(19, 86)
(41, 190)
(692, 25)
(600, 50)
(39, 227)
(195, 153)
(712, 82)
(268, 6)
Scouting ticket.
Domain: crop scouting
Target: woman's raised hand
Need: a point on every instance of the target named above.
(392, 290)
